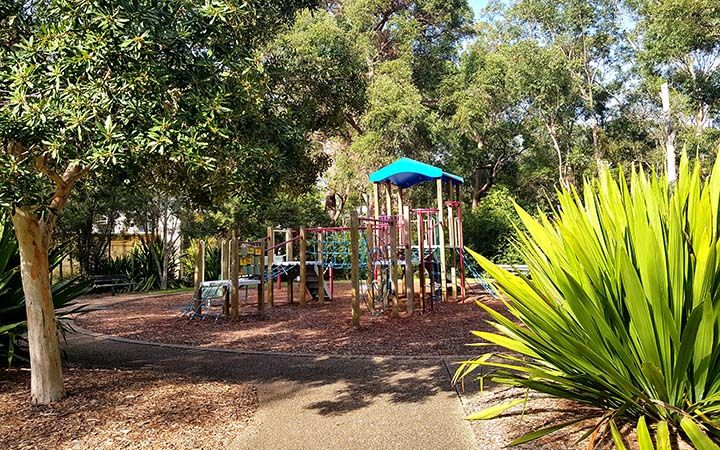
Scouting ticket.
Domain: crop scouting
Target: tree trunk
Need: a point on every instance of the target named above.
(46, 380)
(556, 145)
(483, 181)
(669, 134)
(597, 152)
(165, 270)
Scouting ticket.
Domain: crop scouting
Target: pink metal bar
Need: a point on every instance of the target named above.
(282, 244)
(462, 252)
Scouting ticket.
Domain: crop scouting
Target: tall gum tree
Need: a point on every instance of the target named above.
(681, 45)
(390, 57)
(87, 86)
(588, 37)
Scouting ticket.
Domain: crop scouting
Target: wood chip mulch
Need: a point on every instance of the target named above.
(110, 409)
(313, 328)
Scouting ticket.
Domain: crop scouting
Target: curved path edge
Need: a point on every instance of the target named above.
(447, 359)
(312, 401)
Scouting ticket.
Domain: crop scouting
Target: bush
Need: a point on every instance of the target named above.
(622, 308)
(212, 261)
(488, 229)
(139, 267)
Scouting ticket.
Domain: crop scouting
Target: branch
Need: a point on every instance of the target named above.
(351, 120)
(42, 167)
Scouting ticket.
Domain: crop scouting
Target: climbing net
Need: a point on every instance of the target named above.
(331, 248)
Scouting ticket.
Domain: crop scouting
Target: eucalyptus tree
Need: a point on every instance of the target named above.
(588, 38)
(390, 57)
(88, 86)
(680, 44)
(486, 105)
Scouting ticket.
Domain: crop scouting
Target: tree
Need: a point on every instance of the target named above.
(587, 36)
(547, 86)
(681, 45)
(486, 107)
(404, 49)
(85, 86)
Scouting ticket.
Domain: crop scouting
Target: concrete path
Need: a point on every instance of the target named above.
(312, 402)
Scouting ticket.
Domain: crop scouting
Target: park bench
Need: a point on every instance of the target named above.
(520, 269)
(115, 282)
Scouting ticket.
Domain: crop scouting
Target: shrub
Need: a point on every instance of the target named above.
(489, 228)
(212, 261)
(140, 269)
(622, 307)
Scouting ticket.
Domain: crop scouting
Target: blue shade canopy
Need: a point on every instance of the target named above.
(406, 172)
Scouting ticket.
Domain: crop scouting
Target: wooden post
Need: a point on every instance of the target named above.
(355, 267)
(441, 240)
(320, 269)
(376, 201)
(223, 256)
(261, 271)
(271, 260)
(303, 267)
(388, 199)
(288, 259)
(234, 275)
(198, 275)
(370, 262)
(400, 204)
(409, 277)
(376, 213)
(394, 266)
(401, 235)
(202, 255)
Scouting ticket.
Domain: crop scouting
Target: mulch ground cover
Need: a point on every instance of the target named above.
(313, 328)
(110, 409)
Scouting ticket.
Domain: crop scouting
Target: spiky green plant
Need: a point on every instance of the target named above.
(622, 307)
(140, 269)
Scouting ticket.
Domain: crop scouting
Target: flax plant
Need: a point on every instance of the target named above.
(621, 308)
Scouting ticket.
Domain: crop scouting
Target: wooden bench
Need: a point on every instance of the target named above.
(115, 282)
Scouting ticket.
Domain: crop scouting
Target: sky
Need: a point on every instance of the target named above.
(477, 5)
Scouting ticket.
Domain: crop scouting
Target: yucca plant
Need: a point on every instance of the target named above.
(621, 310)
(140, 269)
(212, 260)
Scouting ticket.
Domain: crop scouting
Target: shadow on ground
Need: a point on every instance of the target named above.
(359, 381)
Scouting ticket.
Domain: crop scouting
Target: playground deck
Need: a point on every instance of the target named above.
(314, 328)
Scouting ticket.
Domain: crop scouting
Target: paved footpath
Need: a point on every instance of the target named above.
(312, 402)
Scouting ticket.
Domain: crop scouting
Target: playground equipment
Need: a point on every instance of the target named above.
(383, 252)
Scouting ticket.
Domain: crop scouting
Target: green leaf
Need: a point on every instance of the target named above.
(644, 440)
(698, 437)
(616, 436)
(494, 411)
(662, 436)
(533, 435)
